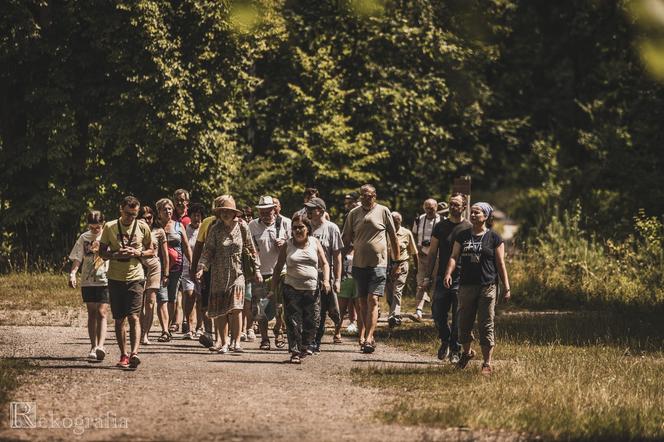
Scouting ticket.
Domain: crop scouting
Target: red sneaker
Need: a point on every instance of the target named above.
(124, 362)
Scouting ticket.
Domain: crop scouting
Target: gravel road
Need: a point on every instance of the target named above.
(182, 391)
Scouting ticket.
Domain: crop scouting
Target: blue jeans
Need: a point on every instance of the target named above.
(444, 300)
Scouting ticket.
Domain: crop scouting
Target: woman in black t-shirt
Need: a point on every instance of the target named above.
(482, 257)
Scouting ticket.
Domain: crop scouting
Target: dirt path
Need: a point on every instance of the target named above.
(182, 391)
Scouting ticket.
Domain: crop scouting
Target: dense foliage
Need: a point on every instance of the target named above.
(101, 99)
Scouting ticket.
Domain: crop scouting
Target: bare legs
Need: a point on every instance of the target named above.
(97, 323)
(147, 315)
(134, 333)
(369, 315)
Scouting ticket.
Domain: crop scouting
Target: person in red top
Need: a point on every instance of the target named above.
(181, 201)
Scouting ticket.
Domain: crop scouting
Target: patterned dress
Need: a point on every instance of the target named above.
(222, 256)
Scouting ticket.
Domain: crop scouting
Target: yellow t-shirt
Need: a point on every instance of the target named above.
(203, 229)
(130, 269)
(407, 247)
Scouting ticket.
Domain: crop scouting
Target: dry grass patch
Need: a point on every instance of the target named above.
(560, 376)
(37, 291)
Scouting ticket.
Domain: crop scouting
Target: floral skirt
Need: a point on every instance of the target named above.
(223, 303)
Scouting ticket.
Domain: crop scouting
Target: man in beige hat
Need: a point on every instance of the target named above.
(268, 237)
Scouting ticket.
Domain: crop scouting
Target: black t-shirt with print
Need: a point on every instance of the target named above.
(478, 257)
(445, 232)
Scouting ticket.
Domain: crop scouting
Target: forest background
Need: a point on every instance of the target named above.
(553, 108)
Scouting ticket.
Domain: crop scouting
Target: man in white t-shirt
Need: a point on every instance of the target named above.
(268, 236)
(422, 230)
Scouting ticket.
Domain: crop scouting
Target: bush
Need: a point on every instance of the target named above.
(565, 267)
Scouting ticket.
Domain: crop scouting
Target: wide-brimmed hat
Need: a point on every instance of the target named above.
(225, 202)
(265, 202)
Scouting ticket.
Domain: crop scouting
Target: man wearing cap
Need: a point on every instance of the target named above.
(368, 228)
(329, 236)
(423, 228)
(268, 238)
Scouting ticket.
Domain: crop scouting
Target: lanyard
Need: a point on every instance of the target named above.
(133, 231)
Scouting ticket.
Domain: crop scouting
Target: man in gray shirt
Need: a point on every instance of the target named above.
(368, 228)
(329, 236)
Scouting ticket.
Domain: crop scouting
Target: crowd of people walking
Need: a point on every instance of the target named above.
(218, 278)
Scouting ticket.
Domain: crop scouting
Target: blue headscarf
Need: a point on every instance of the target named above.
(486, 208)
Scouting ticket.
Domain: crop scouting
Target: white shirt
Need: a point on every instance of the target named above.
(265, 238)
(423, 230)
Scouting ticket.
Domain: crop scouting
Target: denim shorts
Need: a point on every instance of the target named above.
(370, 280)
(170, 292)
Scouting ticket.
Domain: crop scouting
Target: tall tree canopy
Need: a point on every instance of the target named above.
(102, 99)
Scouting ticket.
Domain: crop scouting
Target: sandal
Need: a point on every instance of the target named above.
(265, 345)
(279, 341)
(165, 337)
(337, 340)
(369, 347)
(295, 359)
(173, 328)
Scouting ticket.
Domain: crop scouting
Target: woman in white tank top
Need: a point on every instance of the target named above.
(303, 255)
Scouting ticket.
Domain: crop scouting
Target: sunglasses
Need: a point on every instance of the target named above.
(298, 228)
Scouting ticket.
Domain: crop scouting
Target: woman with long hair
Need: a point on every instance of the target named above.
(156, 277)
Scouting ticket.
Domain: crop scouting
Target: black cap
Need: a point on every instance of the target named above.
(353, 196)
(316, 203)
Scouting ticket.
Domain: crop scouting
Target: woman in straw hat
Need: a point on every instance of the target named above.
(225, 244)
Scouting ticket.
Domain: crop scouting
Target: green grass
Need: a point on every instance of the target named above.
(37, 291)
(589, 376)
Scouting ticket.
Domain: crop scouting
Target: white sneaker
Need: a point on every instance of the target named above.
(223, 349)
(92, 356)
(238, 349)
(188, 336)
(100, 353)
(251, 335)
(352, 328)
